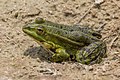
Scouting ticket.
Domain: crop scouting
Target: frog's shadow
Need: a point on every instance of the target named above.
(38, 52)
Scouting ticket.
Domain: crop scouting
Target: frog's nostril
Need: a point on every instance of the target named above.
(30, 26)
(26, 25)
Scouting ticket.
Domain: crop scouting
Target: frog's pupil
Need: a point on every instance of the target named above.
(40, 30)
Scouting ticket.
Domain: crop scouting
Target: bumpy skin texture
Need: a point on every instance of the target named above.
(67, 42)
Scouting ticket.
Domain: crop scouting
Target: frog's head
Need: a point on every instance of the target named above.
(35, 31)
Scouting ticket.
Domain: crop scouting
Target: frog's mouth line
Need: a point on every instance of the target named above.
(33, 35)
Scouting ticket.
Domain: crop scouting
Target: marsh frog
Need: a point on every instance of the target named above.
(67, 42)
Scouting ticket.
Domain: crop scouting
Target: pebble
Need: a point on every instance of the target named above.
(5, 78)
(98, 1)
(46, 71)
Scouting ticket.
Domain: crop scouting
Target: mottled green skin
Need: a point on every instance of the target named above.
(66, 42)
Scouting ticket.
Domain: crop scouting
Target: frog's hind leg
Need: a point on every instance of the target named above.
(92, 53)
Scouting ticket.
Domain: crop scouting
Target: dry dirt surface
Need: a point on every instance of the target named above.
(19, 58)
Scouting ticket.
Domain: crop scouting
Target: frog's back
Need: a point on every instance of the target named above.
(70, 28)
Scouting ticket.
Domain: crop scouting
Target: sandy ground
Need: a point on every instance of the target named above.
(19, 58)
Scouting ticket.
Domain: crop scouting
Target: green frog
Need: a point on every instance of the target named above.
(67, 42)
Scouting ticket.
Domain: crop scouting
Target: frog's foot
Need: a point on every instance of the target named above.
(60, 55)
(93, 53)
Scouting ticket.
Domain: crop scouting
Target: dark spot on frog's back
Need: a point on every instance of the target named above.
(88, 50)
(71, 30)
(61, 27)
(76, 35)
(66, 33)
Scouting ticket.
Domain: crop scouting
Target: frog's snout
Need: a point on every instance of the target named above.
(25, 27)
(30, 26)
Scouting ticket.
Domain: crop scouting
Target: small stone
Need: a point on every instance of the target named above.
(5, 78)
(103, 69)
(0, 50)
(50, 12)
(46, 71)
(117, 72)
(90, 68)
(99, 1)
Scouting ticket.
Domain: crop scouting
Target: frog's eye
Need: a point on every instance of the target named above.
(39, 20)
(40, 30)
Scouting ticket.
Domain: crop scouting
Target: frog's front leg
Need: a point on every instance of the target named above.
(92, 53)
(59, 54)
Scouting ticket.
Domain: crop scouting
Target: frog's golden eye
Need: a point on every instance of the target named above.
(40, 30)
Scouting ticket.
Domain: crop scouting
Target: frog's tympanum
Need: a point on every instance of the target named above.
(65, 42)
